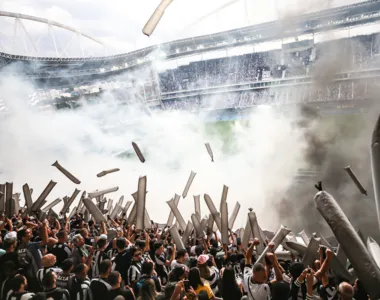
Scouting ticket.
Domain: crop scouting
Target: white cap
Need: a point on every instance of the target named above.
(103, 237)
(11, 235)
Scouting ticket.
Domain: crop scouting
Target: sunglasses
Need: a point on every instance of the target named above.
(137, 254)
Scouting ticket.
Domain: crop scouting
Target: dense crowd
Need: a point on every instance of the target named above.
(358, 52)
(62, 259)
(336, 91)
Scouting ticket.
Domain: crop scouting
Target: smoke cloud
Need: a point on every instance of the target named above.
(257, 160)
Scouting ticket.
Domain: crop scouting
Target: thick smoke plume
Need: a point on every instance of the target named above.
(334, 142)
(85, 140)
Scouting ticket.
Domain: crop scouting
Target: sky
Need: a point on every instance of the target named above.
(118, 23)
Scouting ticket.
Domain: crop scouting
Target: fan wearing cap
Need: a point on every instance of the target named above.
(99, 255)
(10, 245)
(209, 273)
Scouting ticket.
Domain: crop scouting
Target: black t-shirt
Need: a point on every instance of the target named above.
(120, 292)
(11, 256)
(61, 251)
(122, 262)
(89, 241)
(100, 288)
(57, 294)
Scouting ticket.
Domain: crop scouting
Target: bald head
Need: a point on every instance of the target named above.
(346, 291)
(48, 260)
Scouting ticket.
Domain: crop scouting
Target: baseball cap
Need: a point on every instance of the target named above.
(202, 259)
(11, 235)
(103, 237)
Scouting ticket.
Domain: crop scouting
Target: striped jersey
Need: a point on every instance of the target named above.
(80, 290)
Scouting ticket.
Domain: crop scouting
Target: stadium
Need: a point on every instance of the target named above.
(210, 163)
(221, 79)
(242, 81)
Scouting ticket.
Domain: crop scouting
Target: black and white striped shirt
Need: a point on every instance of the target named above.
(134, 272)
(42, 272)
(57, 294)
(98, 257)
(20, 296)
(80, 290)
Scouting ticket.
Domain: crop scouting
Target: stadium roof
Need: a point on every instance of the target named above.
(49, 68)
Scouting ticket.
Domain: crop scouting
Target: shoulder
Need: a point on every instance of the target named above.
(27, 296)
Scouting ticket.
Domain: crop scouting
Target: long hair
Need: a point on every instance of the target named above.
(229, 284)
(204, 270)
(148, 290)
(195, 278)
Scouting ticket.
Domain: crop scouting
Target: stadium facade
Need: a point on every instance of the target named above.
(275, 77)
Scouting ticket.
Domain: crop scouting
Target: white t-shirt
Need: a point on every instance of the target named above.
(256, 291)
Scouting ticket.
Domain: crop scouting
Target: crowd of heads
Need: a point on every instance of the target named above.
(62, 259)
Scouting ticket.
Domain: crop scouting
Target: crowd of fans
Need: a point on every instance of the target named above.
(63, 259)
(251, 67)
(343, 90)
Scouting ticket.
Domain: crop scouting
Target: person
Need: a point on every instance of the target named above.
(114, 279)
(161, 263)
(10, 272)
(134, 272)
(122, 261)
(209, 273)
(65, 277)
(179, 273)
(80, 285)
(81, 253)
(10, 246)
(228, 286)
(61, 250)
(100, 286)
(360, 293)
(99, 255)
(19, 289)
(51, 291)
(345, 291)
(48, 263)
(199, 285)
(147, 272)
(148, 291)
(256, 277)
(29, 254)
(182, 259)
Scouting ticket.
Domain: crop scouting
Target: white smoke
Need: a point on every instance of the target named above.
(263, 154)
